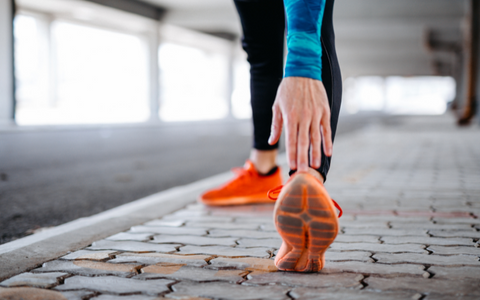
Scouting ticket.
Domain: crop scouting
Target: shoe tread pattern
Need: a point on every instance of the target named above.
(307, 222)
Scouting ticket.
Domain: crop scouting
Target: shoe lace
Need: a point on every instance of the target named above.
(240, 172)
(273, 195)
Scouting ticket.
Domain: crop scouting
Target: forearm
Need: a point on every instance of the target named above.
(304, 57)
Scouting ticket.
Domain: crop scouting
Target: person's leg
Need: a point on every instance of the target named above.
(263, 24)
(331, 77)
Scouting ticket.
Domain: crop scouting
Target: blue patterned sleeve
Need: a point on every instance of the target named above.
(304, 18)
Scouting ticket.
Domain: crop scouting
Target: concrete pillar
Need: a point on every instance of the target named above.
(154, 42)
(231, 77)
(7, 81)
(476, 41)
(48, 61)
(471, 69)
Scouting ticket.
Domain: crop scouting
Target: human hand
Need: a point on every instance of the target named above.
(302, 105)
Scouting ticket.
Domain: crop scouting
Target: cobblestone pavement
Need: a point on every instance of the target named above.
(411, 196)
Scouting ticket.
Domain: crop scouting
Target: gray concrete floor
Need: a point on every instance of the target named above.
(49, 176)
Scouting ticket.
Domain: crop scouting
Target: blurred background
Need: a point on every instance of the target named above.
(103, 102)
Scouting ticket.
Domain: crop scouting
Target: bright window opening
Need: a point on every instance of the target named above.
(75, 74)
(193, 83)
(428, 95)
(241, 108)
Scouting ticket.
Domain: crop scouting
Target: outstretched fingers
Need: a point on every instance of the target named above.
(291, 143)
(302, 146)
(327, 134)
(277, 123)
(315, 143)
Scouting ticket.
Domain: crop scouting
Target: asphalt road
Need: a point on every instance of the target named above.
(52, 176)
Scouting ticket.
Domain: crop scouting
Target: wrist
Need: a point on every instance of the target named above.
(304, 55)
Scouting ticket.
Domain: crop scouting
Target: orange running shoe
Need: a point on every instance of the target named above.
(306, 219)
(248, 187)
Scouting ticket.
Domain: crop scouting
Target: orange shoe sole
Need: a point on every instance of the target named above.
(260, 199)
(306, 219)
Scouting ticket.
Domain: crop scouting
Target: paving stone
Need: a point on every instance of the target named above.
(90, 255)
(28, 293)
(387, 232)
(316, 280)
(407, 208)
(257, 220)
(194, 240)
(430, 226)
(348, 255)
(155, 258)
(346, 238)
(230, 291)
(77, 295)
(168, 230)
(345, 217)
(377, 247)
(226, 251)
(456, 233)
(183, 272)
(129, 297)
(414, 258)
(197, 206)
(458, 211)
(455, 273)
(222, 225)
(437, 296)
(178, 296)
(270, 243)
(470, 221)
(302, 293)
(363, 224)
(129, 236)
(455, 250)
(264, 210)
(165, 223)
(373, 268)
(132, 246)
(268, 227)
(46, 280)
(260, 265)
(88, 268)
(187, 214)
(255, 234)
(424, 286)
(391, 218)
(116, 285)
(200, 219)
(427, 241)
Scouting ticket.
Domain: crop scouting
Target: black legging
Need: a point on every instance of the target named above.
(263, 23)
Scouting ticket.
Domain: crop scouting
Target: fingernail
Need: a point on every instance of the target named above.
(293, 164)
(270, 140)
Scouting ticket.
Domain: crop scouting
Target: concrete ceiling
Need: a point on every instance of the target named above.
(374, 37)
